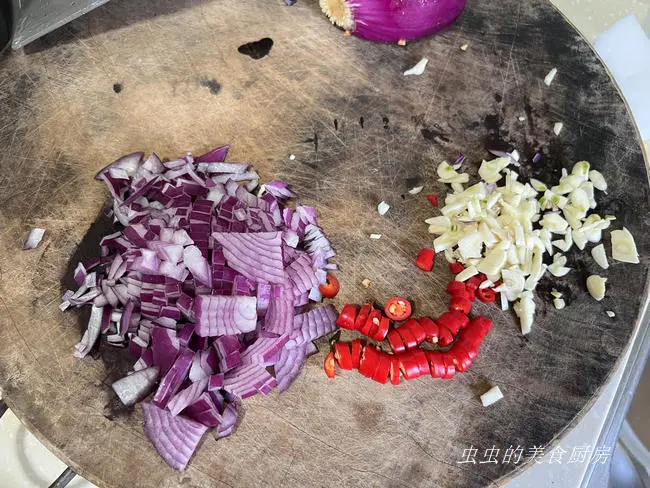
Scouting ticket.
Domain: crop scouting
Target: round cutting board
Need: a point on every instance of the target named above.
(168, 76)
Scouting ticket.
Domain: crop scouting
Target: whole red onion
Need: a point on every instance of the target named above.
(392, 20)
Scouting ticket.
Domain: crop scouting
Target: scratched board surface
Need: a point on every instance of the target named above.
(173, 76)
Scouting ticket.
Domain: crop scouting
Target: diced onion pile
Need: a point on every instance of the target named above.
(208, 285)
(504, 231)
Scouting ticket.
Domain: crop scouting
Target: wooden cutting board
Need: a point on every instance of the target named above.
(167, 76)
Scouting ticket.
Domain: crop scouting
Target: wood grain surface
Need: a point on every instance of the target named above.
(182, 86)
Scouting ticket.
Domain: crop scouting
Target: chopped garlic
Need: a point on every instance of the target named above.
(418, 69)
(416, 190)
(383, 207)
(559, 303)
(521, 118)
(610, 314)
(525, 310)
(557, 128)
(623, 247)
(491, 396)
(366, 283)
(292, 157)
(375, 236)
(550, 76)
(598, 180)
(463, 47)
(598, 253)
(467, 273)
(596, 286)
(555, 293)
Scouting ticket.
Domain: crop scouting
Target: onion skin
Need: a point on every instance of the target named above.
(392, 20)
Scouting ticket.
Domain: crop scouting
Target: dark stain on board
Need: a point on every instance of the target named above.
(211, 84)
(256, 49)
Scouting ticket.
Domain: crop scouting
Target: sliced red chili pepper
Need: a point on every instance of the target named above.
(343, 355)
(418, 331)
(330, 365)
(355, 352)
(430, 329)
(347, 316)
(380, 334)
(457, 288)
(420, 357)
(363, 316)
(330, 288)
(460, 304)
(398, 309)
(372, 322)
(436, 365)
(456, 267)
(467, 345)
(486, 295)
(453, 320)
(472, 285)
(396, 342)
(433, 200)
(409, 367)
(369, 361)
(383, 369)
(409, 339)
(450, 369)
(482, 277)
(394, 370)
(425, 259)
(460, 357)
(483, 322)
(445, 336)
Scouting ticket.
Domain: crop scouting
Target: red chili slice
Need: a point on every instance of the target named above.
(394, 370)
(380, 334)
(425, 259)
(460, 304)
(347, 316)
(456, 267)
(363, 316)
(436, 365)
(409, 339)
(482, 277)
(369, 361)
(445, 336)
(420, 357)
(460, 357)
(330, 288)
(330, 365)
(472, 285)
(486, 295)
(372, 322)
(396, 342)
(450, 369)
(355, 354)
(430, 329)
(417, 330)
(383, 369)
(433, 200)
(457, 288)
(343, 355)
(454, 321)
(398, 309)
(409, 367)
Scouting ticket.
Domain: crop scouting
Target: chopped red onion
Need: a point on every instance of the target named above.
(33, 238)
(202, 284)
